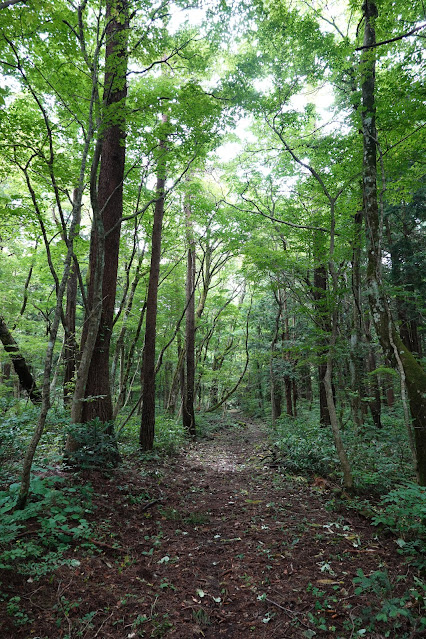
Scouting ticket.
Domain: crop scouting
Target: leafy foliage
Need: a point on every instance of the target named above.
(35, 541)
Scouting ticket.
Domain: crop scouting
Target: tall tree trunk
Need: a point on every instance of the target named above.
(146, 434)
(413, 377)
(119, 346)
(188, 416)
(20, 365)
(276, 394)
(174, 388)
(355, 359)
(319, 293)
(288, 384)
(373, 388)
(125, 374)
(70, 342)
(110, 203)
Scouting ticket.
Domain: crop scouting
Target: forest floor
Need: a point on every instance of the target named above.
(216, 542)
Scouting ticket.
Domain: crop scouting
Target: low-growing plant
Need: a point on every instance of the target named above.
(33, 541)
(403, 511)
(402, 616)
(304, 447)
(96, 446)
(379, 458)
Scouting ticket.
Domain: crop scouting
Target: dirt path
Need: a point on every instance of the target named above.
(231, 549)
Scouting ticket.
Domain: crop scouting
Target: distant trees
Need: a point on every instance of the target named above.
(181, 280)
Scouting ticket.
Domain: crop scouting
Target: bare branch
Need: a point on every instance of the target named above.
(400, 37)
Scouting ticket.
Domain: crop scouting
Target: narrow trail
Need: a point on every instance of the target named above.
(214, 543)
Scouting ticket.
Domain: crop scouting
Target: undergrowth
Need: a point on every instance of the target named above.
(34, 541)
(379, 458)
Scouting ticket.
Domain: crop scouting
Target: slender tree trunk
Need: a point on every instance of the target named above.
(288, 386)
(45, 395)
(344, 462)
(373, 388)
(173, 394)
(124, 380)
(276, 394)
(70, 342)
(188, 416)
(355, 360)
(413, 377)
(320, 292)
(146, 434)
(119, 347)
(295, 396)
(110, 203)
(328, 383)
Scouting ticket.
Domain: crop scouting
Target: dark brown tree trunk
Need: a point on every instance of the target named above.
(319, 294)
(146, 434)
(20, 365)
(188, 416)
(276, 393)
(288, 385)
(355, 359)
(288, 395)
(110, 203)
(413, 377)
(295, 396)
(70, 342)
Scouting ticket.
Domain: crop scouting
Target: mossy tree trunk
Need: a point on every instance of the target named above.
(20, 365)
(413, 376)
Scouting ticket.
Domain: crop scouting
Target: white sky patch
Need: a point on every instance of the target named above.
(179, 17)
(230, 150)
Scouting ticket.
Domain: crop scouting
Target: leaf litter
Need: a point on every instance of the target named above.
(227, 547)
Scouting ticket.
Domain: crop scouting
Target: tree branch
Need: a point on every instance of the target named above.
(400, 37)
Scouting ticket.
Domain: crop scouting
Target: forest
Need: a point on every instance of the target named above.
(212, 285)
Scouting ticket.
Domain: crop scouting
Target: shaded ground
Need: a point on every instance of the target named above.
(216, 543)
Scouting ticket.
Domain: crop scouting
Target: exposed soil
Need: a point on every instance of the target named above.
(214, 543)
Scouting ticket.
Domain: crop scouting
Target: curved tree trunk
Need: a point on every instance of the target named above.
(20, 365)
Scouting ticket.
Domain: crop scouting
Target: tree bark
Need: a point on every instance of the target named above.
(319, 294)
(70, 342)
(355, 359)
(413, 377)
(110, 203)
(146, 434)
(20, 365)
(188, 415)
(276, 393)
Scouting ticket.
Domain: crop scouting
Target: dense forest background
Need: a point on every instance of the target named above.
(212, 221)
(210, 207)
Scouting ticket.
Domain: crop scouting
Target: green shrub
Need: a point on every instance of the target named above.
(305, 447)
(33, 541)
(379, 458)
(169, 435)
(403, 511)
(96, 447)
